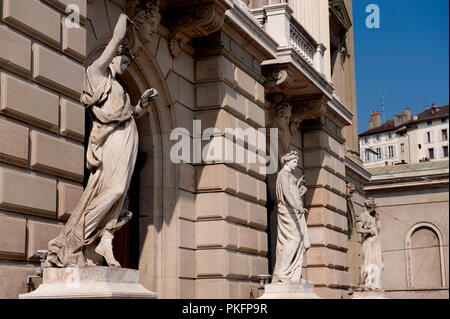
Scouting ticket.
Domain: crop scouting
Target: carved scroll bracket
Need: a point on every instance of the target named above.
(278, 79)
(190, 19)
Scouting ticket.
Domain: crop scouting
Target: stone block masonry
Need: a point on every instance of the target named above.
(231, 217)
(327, 259)
(41, 130)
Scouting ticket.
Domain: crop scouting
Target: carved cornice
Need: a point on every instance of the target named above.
(338, 10)
(306, 110)
(194, 18)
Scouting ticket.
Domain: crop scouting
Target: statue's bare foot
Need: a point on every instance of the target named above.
(104, 248)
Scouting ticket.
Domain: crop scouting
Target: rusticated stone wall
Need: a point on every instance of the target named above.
(42, 128)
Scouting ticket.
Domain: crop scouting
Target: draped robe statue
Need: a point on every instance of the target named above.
(368, 225)
(111, 156)
(292, 237)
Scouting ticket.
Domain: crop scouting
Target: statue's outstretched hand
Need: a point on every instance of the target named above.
(148, 96)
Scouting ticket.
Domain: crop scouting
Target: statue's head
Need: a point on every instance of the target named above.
(370, 205)
(290, 160)
(122, 60)
(147, 21)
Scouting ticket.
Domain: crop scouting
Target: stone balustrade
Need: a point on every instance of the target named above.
(277, 20)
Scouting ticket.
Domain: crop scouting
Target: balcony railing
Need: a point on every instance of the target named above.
(302, 42)
(278, 21)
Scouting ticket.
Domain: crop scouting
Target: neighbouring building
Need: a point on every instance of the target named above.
(413, 203)
(200, 230)
(406, 139)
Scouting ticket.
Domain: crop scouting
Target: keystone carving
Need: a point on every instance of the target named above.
(146, 17)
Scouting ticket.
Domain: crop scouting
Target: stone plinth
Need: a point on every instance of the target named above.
(375, 294)
(281, 290)
(90, 283)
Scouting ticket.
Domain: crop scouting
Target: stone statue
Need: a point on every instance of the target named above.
(111, 156)
(368, 225)
(293, 238)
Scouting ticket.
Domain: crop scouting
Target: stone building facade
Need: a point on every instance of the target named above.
(200, 229)
(412, 201)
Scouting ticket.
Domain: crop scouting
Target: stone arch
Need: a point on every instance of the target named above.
(157, 176)
(408, 251)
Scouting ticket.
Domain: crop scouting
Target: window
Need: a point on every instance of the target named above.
(378, 137)
(389, 136)
(366, 140)
(391, 151)
(429, 123)
(429, 137)
(443, 121)
(445, 150)
(444, 135)
(431, 153)
(402, 146)
(378, 150)
(367, 156)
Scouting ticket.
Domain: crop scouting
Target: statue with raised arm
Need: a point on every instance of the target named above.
(111, 156)
(292, 238)
(368, 225)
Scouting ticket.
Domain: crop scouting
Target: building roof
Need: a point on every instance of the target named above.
(427, 115)
(387, 126)
(431, 114)
(394, 169)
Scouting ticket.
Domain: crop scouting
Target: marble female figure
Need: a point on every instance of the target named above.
(111, 156)
(292, 237)
(368, 225)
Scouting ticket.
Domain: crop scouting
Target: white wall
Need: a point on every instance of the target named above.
(411, 140)
(419, 136)
(384, 142)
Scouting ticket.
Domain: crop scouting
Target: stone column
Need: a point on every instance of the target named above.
(231, 217)
(323, 155)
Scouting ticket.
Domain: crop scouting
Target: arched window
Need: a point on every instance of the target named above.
(425, 265)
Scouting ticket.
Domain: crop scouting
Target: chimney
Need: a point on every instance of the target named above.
(408, 113)
(397, 119)
(375, 120)
(433, 108)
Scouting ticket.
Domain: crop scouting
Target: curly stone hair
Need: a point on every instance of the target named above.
(370, 203)
(123, 50)
(289, 157)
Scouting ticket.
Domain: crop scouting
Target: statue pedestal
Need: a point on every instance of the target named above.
(90, 283)
(281, 290)
(371, 294)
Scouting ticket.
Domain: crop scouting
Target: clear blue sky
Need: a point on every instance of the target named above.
(407, 58)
